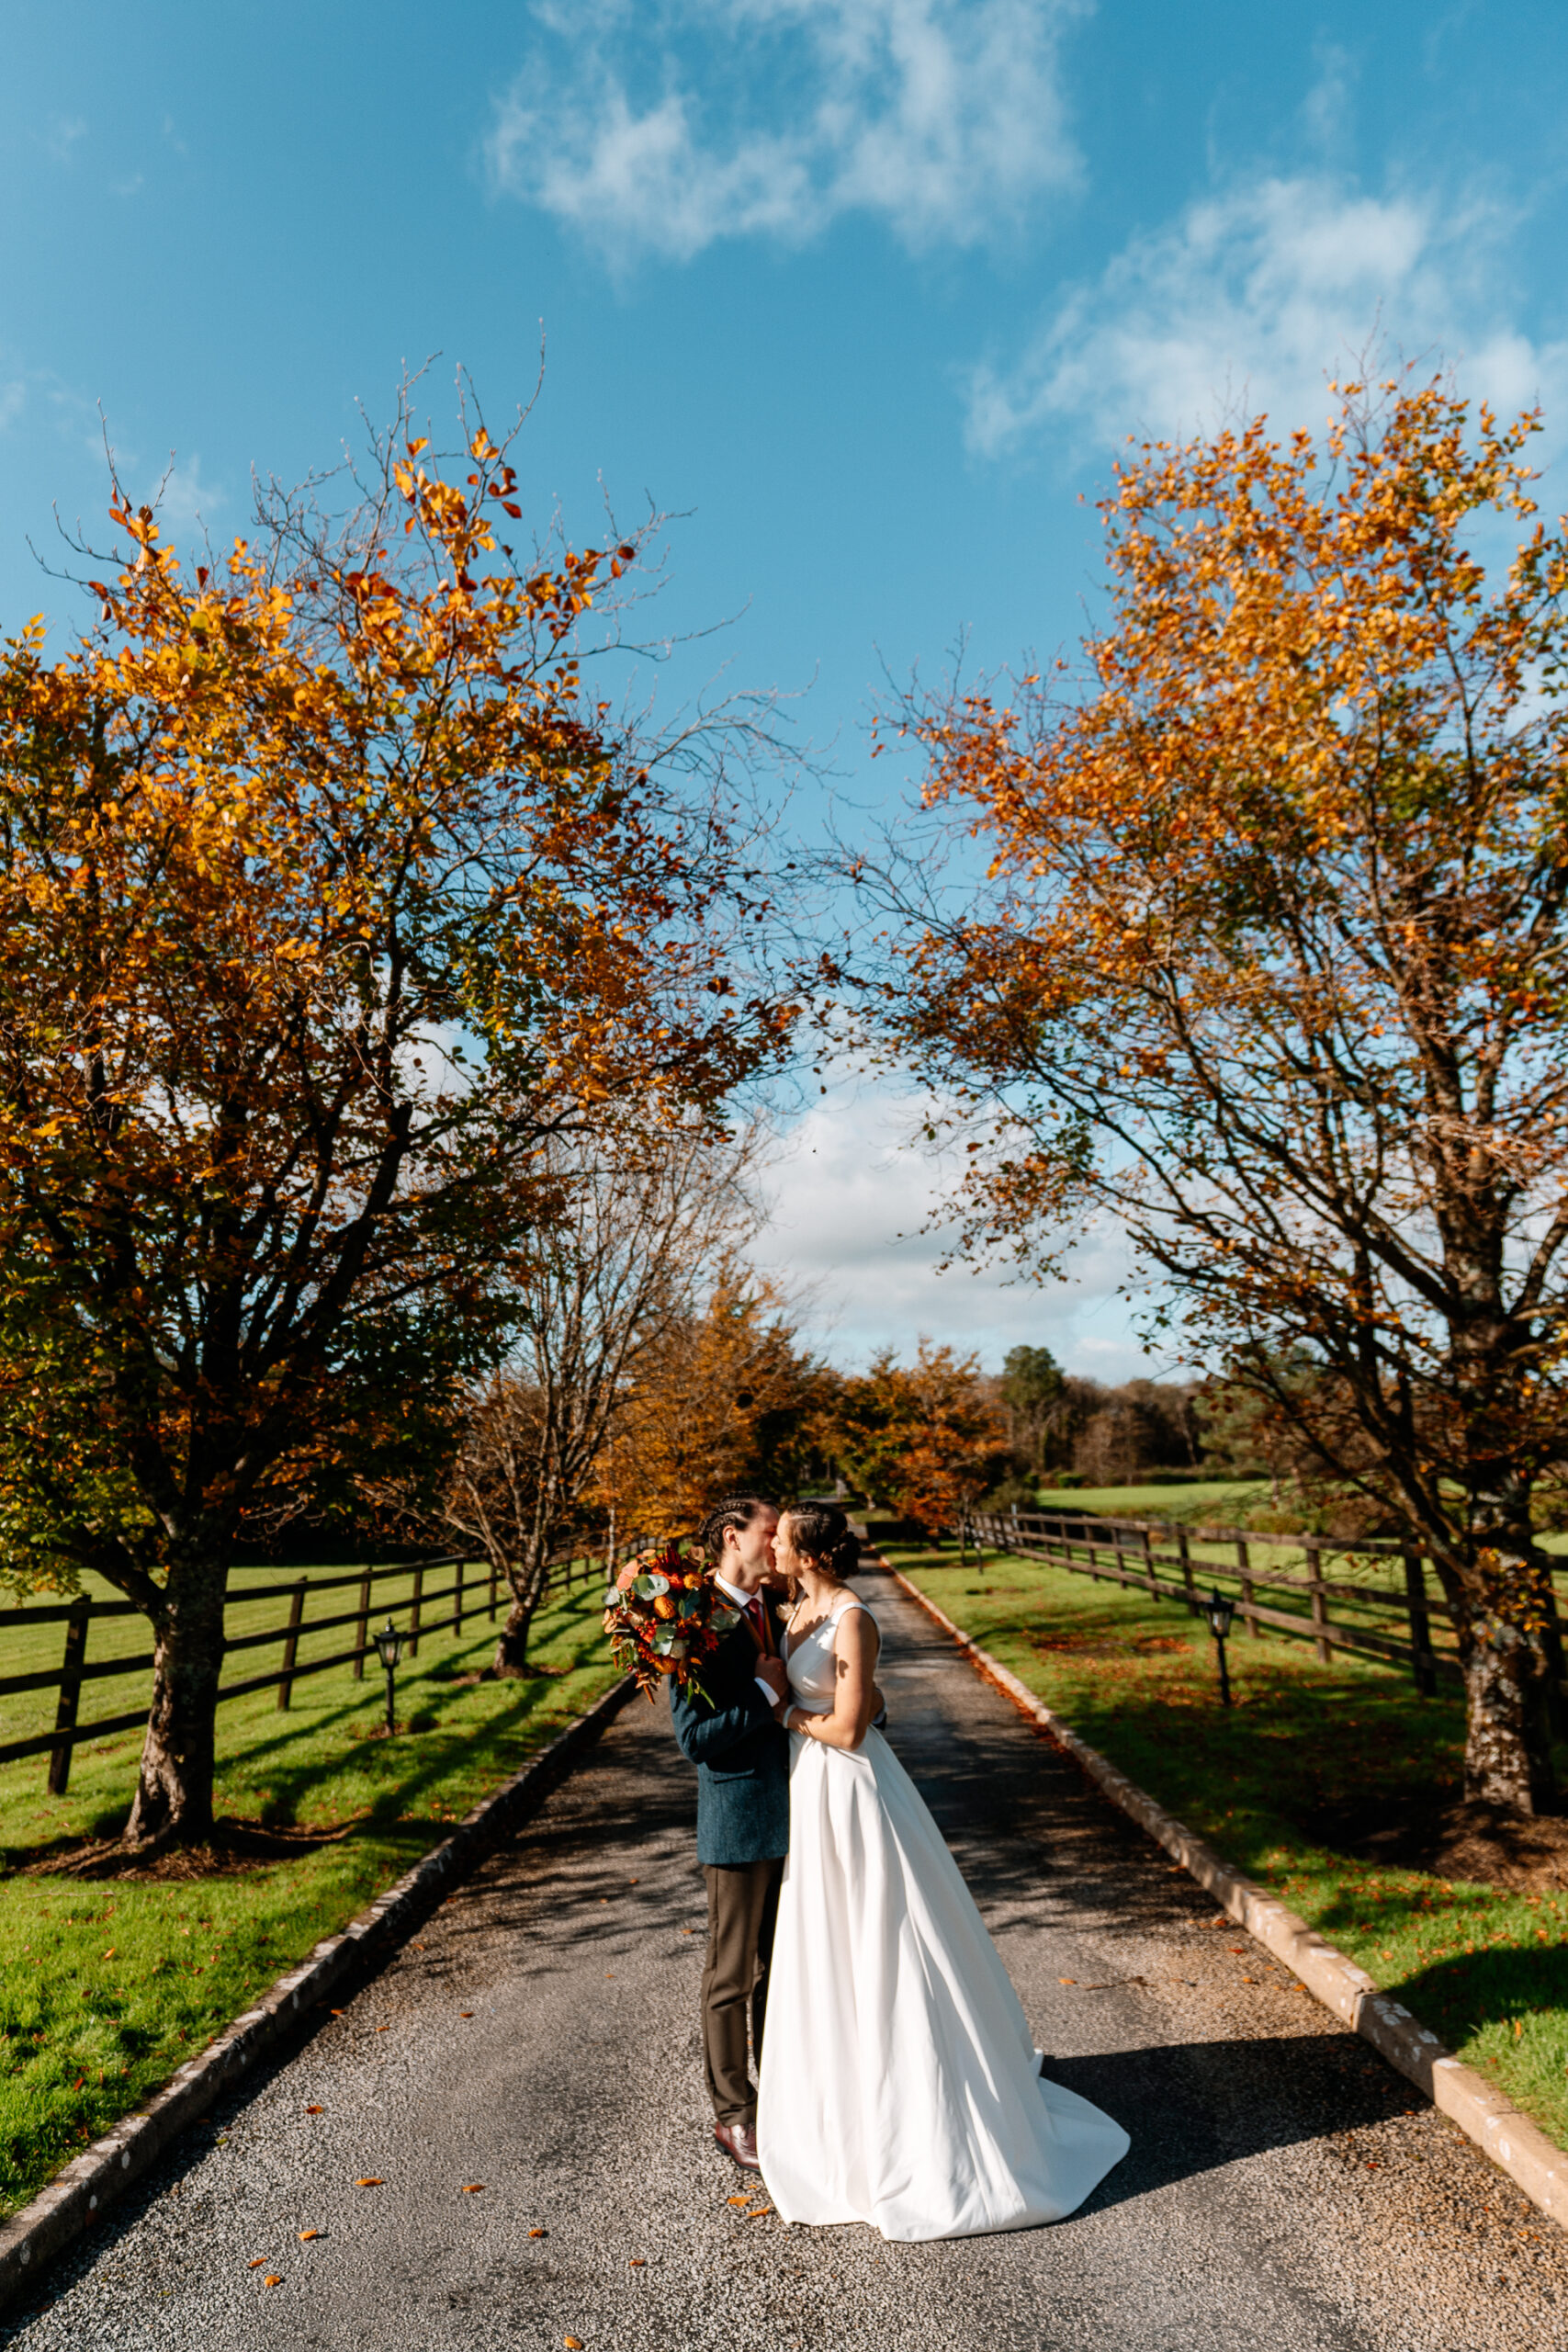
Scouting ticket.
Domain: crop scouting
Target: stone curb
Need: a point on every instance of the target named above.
(1514, 2144)
(76, 2198)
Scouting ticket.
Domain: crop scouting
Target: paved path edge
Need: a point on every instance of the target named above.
(75, 2198)
(1515, 2144)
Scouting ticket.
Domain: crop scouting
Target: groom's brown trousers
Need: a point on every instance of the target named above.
(743, 1904)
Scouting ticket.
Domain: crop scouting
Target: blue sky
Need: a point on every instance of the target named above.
(869, 293)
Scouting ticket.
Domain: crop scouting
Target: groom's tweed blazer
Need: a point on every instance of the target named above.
(742, 1755)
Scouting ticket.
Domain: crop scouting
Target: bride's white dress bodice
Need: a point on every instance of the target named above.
(811, 1664)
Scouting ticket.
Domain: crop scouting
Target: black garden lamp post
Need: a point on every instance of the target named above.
(389, 1645)
(1219, 1613)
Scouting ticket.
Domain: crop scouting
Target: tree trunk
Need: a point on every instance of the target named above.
(1507, 1752)
(526, 1583)
(173, 1790)
(1503, 1645)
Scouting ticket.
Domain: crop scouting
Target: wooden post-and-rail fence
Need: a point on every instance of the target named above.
(1095, 1547)
(75, 1670)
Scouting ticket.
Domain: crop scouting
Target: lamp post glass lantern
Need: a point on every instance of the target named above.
(1219, 1611)
(390, 1645)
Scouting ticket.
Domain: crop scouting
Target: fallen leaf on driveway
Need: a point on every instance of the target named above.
(738, 2201)
(538, 2233)
(472, 2188)
(383, 2029)
(315, 2110)
(638, 2262)
(256, 2262)
(573, 2344)
(308, 2234)
(465, 2013)
(758, 2211)
(371, 2180)
(273, 2278)
(1066, 1980)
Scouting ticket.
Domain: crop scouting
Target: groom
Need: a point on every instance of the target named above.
(741, 1753)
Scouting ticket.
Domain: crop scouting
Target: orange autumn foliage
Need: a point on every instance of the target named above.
(327, 896)
(1271, 969)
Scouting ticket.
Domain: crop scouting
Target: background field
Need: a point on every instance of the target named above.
(1486, 1968)
(105, 1986)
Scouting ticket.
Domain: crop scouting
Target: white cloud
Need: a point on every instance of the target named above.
(63, 134)
(1253, 298)
(663, 130)
(852, 1191)
(186, 501)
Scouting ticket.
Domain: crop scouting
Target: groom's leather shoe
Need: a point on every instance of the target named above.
(740, 2141)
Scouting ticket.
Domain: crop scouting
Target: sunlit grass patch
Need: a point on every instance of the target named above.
(107, 1986)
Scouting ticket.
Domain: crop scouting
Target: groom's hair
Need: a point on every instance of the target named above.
(734, 1510)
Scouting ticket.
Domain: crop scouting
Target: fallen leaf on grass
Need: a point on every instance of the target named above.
(371, 2180)
(307, 2235)
(111, 1953)
(472, 2188)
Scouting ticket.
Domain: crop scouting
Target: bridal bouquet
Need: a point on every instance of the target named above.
(665, 1616)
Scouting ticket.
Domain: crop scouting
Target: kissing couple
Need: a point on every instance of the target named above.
(899, 2083)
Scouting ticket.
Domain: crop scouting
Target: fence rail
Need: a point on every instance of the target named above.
(465, 1595)
(1135, 1551)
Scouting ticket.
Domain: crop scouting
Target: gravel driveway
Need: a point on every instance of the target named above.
(522, 2087)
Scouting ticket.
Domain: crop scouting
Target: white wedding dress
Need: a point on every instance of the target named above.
(899, 2082)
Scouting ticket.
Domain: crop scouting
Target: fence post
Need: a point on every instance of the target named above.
(1311, 1546)
(361, 1631)
(413, 1608)
(69, 1694)
(1181, 1545)
(1420, 1627)
(290, 1647)
(1149, 1564)
(1244, 1569)
(457, 1599)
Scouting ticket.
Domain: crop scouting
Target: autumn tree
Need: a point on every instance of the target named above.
(327, 897)
(721, 1402)
(923, 1438)
(1272, 969)
(644, 1217)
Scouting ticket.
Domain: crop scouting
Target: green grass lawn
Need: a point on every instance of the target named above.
(106, 1986)
(1486, 1969)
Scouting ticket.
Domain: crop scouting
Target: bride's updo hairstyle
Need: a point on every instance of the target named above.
(822, 1533)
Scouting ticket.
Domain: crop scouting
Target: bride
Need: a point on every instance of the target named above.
(900, 2085)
